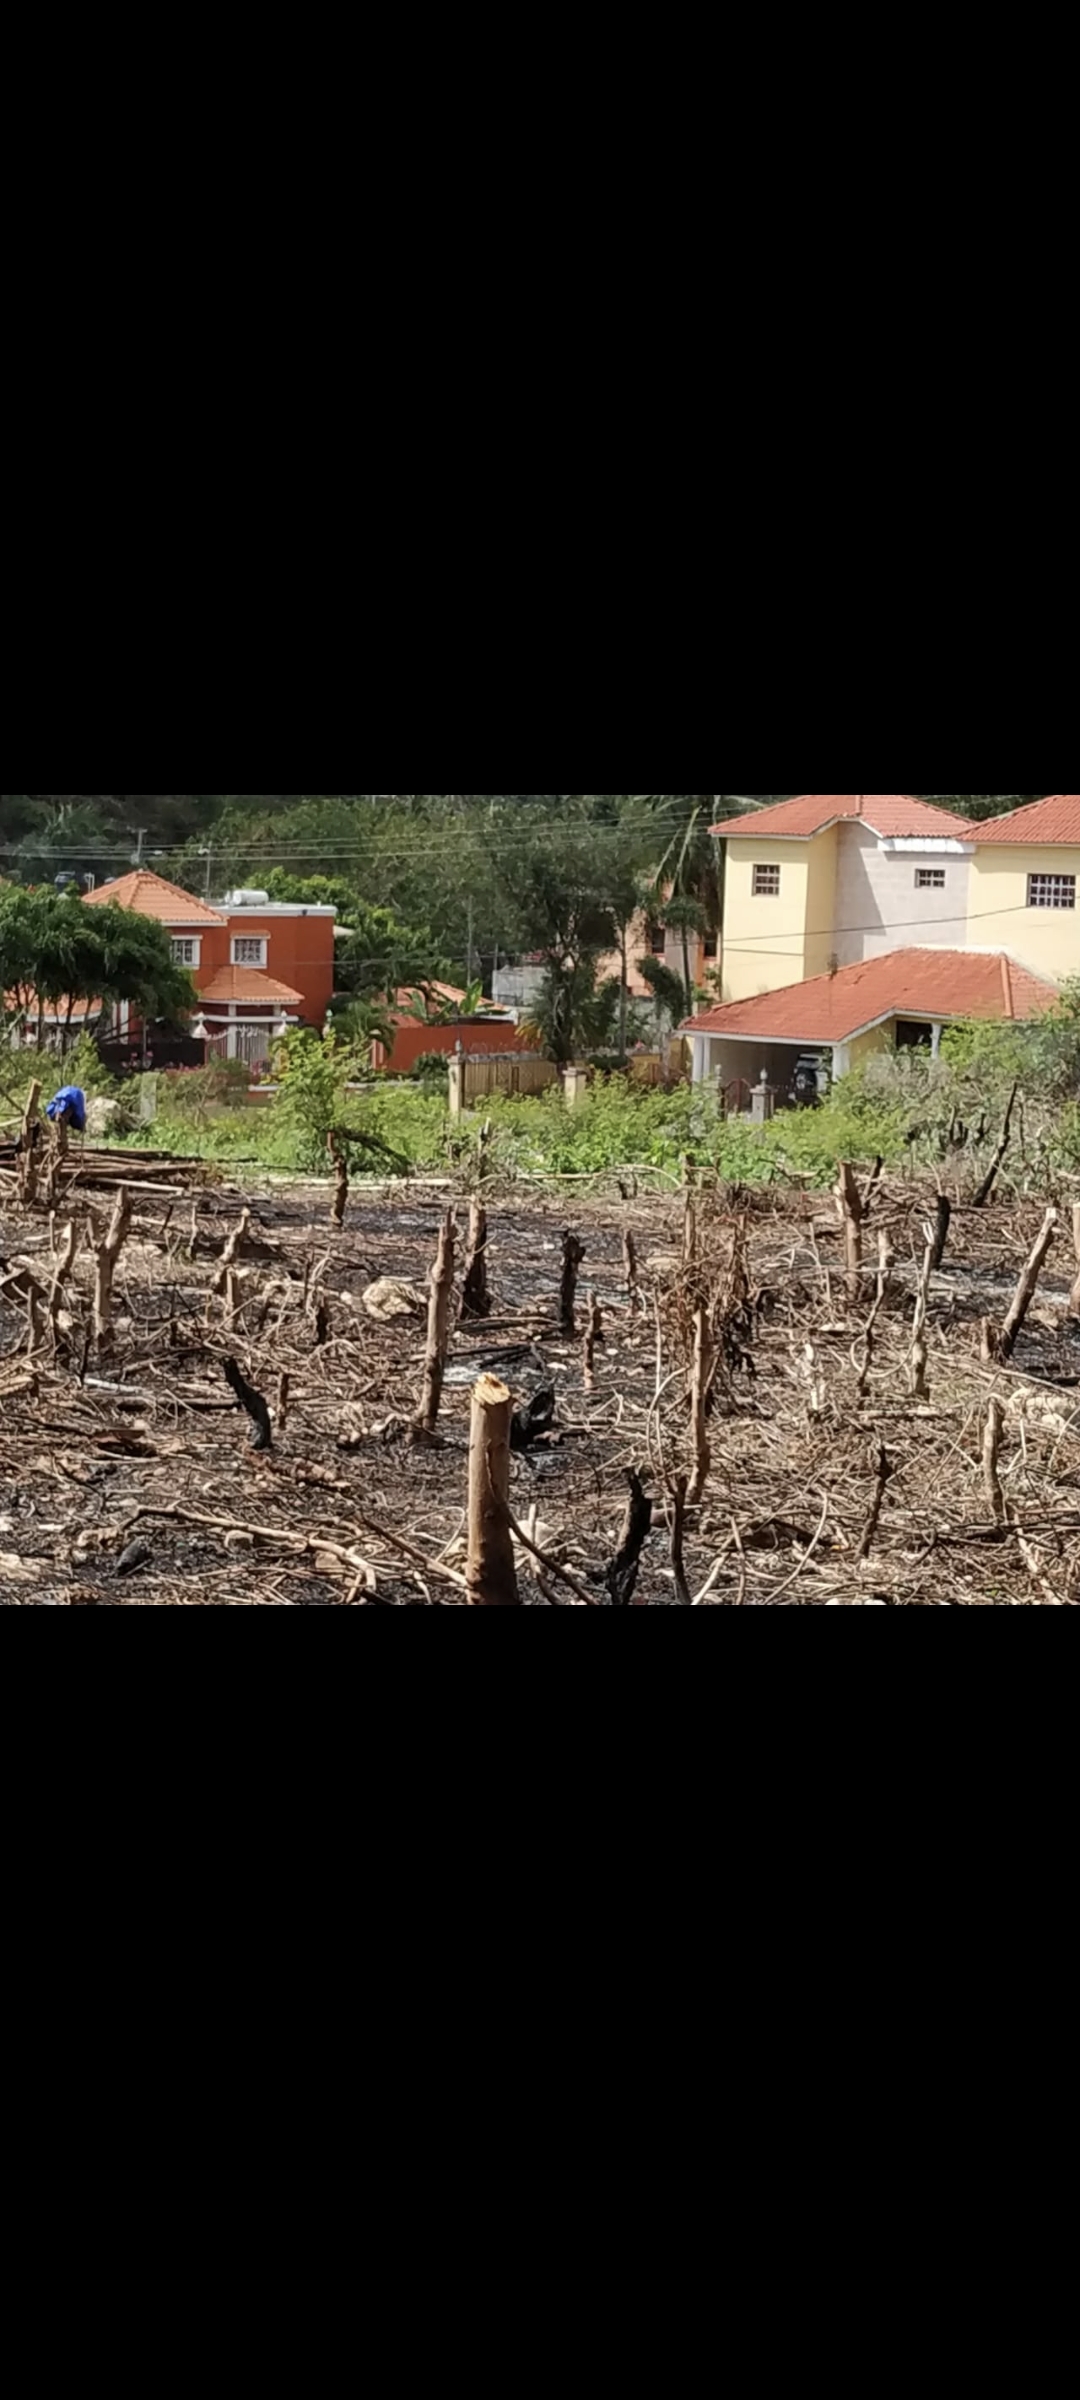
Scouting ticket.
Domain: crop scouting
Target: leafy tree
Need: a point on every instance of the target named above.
(56, 953)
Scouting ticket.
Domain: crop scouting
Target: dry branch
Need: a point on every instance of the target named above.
(1005, 1342)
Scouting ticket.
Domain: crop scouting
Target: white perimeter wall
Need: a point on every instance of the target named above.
(878, 907)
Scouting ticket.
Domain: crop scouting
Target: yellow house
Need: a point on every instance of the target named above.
(834, 879)
(1024, 887)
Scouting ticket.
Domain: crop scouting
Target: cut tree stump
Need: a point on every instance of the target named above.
(475, 1297)
(491, 1570)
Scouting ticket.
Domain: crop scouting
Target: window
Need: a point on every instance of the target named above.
(929, 879)
(766, 883)
(186, 951)
(712, 946)
(657, 941)
(1051, 891)
(249, 950)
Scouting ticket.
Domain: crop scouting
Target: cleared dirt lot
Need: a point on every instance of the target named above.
(127, 1475)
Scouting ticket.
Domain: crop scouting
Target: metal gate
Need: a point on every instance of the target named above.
(253, 1044)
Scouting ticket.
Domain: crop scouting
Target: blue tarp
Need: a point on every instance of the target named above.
(70, 1103)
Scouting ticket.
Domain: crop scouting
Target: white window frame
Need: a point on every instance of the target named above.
(1051, 891)
(930, 879)
(762, 886)
(243, 942)
(185, 943)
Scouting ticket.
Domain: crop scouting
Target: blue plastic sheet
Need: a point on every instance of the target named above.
(70, 1103)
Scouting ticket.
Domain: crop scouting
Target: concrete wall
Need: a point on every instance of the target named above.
(1045, 939)
(878, 907)
(480, 1037)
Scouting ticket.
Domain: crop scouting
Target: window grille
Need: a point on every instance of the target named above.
(1051, 891)
(929, 879)
(766, 883)
(249, 950)
(186, 953)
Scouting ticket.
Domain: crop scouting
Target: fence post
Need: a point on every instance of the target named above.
(457, 1077)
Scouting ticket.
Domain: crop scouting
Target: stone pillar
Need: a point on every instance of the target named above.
(457, 1085)
(575, 1084)
(763, 1101)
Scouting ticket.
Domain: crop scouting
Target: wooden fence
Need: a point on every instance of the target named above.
(510, 1077)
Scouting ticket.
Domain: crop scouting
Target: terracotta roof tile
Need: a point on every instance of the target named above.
(893, 815)
(921, 983)
(150, 896)
(250, 984)
(1053, 821)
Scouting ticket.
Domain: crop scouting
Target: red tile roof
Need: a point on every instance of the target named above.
(1056, 820)
(893, 815)
(920, 983)
(250, 984)
(150, 896)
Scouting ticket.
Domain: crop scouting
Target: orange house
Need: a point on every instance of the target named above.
(257, 964)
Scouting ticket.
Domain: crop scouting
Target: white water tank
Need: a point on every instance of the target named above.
(247, 899)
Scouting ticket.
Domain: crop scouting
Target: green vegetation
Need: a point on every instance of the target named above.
(908, 1109)
(56, 955)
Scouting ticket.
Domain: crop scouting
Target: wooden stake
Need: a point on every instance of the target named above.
(941, 1231)
(1074, 1303)
(700, 1379)
(106, 1253)
(64, 1261)
(491, 1571)
(475, 1297)
(630, 1264)
(281, 1413)
(992, 1433)
(851, 1208)
(573, 1254)
(1026, 1288)
(28, 1147)
(919, 1353)
(233, 1250)
(438, 1333)
(340, 1201)
(594, 1332)
(678, 1492)
(884, 1471)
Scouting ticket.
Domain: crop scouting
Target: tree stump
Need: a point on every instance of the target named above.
(491, 1569)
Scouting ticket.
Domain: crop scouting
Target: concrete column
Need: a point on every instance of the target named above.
(575, 1084)
(841, 1060)
(457, 1081)
(936, 1032)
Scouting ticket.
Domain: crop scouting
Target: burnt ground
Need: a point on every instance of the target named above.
(129, 1478)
